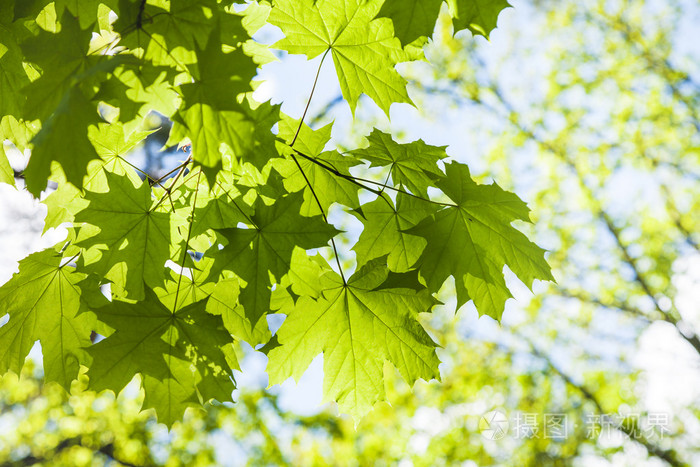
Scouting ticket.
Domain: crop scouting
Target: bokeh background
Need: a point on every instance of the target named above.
(590, 112)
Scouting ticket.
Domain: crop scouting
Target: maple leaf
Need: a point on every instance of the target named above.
(167, 34)
(60, 69)
(474, 239)
(112, 145)
(385, 228)
(211, 113)
(479, 16)
(58, 96)
(242, 234)
(45, 303)
(413, 165)
(413, 19)
(357, 328)
(224, 302)
(67, 128)
(84, 10)
(320, 185)
(130, 241)
(13, 77)
(183, 356)
(364, 49)
(7, 174)
(137, 88)
(254, 254)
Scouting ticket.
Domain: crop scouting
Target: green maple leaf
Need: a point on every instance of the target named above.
(139, 88)
(64, 138)
(130, 242)
(183, 357)
(199, 210)
(221, 208)
(112, 144)
(473, 240)
(224, 302)
(112, 141)
(255, 254)
(317, 182)
(187, 288)
(479, 16)
(384, 231)
(59, 97)
(170, 32)
(416, 18)
(357, 328)
(7, 174)
(412, 18)
(45, 303)
(363, 48)
(85, 10)
(413, 165)
(211, 113)
(13, 77)
(61, 68)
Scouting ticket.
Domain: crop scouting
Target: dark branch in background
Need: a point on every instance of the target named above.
(106, 450)
(671, 316)
(618, 306)
(675, 214)
(661, 66)
(685, 172)
(668, 455)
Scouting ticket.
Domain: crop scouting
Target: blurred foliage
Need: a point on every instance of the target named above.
(591, 114)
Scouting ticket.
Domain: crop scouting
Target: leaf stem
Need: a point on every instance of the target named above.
(172, 185)
(69, 260)
(296, 161)
(187, 161)
(311, 95)
(233, 200)
(358, 181)
(325, 218)
(150, 179)
(187, 242)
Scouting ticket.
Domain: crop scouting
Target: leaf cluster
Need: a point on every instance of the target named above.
(174, 271)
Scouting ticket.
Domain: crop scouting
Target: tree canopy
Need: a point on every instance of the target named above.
(195, 261)
(588, 110)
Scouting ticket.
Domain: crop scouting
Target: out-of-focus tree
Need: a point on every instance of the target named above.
(593, 111)
(590, 111)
